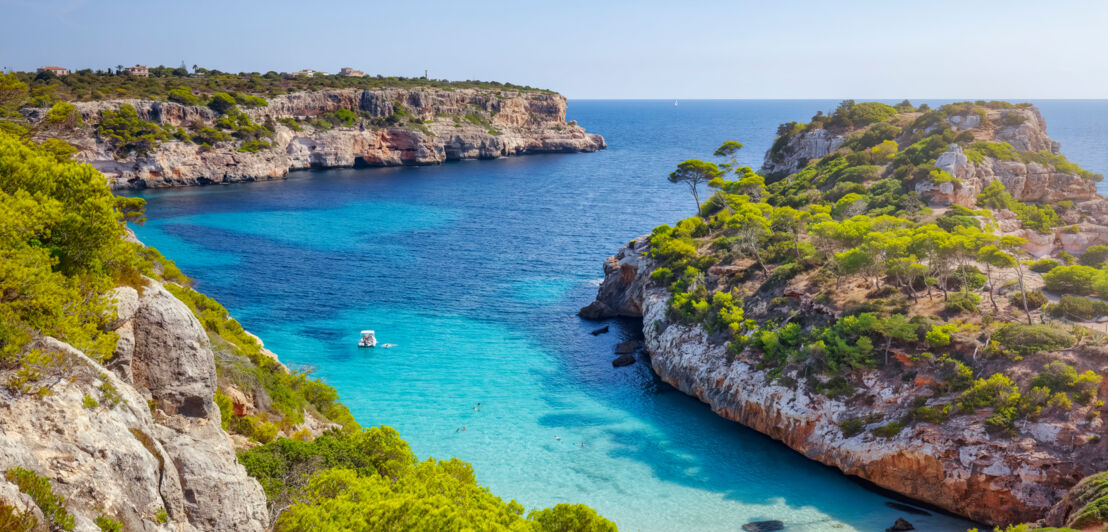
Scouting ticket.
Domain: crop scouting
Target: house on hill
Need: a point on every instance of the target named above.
(307, 73)
(56, 70)
(138, 70)
(351, 73)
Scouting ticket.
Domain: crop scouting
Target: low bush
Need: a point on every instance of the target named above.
(852, 427)
(1077, 279)
(888, 431)
(1035, 300)
(962, 302)
(1044, 265)
(1078, 308)
(183, 96)
(1030, 339)
(1095, 256)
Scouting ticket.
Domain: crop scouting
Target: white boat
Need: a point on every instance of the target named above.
(367, 340)
(675, 103)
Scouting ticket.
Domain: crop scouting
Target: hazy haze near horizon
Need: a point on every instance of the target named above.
(647, 49)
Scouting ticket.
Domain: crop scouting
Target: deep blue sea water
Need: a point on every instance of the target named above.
(475, 270)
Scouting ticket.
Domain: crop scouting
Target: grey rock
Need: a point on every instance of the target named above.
(172, 357)
(623, 360)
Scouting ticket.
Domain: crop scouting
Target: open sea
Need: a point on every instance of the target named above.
(475, 271)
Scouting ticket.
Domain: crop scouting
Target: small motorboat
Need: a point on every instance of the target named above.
(367, 340)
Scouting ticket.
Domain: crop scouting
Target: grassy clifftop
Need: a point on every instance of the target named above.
(177, 84)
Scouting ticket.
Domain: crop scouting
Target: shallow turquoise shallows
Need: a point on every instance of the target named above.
(474, 270)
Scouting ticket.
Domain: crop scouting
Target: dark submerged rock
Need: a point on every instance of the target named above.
(595, 311)
(601, 330)
(623, 360)
(764, 526)
(900, 525)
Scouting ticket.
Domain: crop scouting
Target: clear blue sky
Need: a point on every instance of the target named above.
(597, 49)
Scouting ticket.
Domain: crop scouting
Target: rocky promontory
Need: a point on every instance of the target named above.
(324, 129)
(833, 306)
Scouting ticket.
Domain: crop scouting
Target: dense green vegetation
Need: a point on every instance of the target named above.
(190, 87)
(62, 250)
(370, 480)
(939, 289)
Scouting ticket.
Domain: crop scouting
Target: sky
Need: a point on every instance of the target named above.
(601, 49)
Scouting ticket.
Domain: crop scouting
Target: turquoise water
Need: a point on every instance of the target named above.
(475, 270)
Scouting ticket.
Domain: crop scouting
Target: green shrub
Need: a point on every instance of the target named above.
(888, 431)
(934, 415)
(40, 491)
(1089, 499)
(1030, 339)
(291, 123)
(960, 303)
(570, 518)
(1078, 308)
(183, 96)
(940, 335)
(1035, 300)
(1095, 256)
(107, 524)
(1044, 265)
(222, 103)
(13, 520)
(127, 133)
(1059, 376)
(161, 516)
(998, 391)
(253, 146)
(90, 402)
(64, 114)
(1077, 279)
(852, 427)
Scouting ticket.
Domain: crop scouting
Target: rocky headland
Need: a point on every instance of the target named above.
(760, 347)
(380, 127)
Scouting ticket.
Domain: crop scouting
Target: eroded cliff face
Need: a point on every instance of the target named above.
(509, 123)
(152, 442)
(955, 465)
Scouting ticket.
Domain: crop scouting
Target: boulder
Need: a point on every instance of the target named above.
(172, 358)
(595, 311)
(623, 360)
(600, 331)
(624, 348)
(900, 525)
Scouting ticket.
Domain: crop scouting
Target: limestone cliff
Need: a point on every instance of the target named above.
(442, 125)
(957, 465)
(139, 441)
(715, 306)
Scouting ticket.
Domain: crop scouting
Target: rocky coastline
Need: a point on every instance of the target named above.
(957, 465)
(443, 125)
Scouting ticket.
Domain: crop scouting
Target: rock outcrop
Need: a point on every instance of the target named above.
(444, 125)
(957, 465)
(799, 150)
(139, 442)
